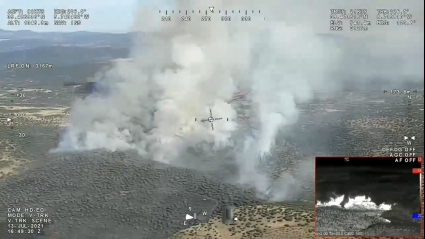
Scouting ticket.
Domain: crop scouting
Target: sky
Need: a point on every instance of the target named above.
(120, 15)
(105, 16)
(180, 70)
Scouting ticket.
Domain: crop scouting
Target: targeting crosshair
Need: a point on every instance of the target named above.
(211, 119)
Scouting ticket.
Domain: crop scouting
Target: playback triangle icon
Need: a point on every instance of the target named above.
(188, 217)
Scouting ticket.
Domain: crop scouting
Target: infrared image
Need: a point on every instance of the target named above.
(376, 196)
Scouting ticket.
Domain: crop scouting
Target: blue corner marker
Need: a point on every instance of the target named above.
(416, 216)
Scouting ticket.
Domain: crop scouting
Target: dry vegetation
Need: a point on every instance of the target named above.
(264, 221)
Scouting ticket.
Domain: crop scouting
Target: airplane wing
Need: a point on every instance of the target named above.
(210, 113)
(212, 126)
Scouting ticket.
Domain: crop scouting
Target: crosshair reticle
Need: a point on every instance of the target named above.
(211, 119)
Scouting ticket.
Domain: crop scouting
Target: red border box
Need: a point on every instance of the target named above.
(416, 170)
(315, 200)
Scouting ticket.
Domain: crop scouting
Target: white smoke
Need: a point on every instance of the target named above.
(180, 70)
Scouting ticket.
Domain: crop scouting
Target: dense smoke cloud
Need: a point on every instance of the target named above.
(180, 70)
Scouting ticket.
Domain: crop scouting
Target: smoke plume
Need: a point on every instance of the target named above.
(179, 70)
